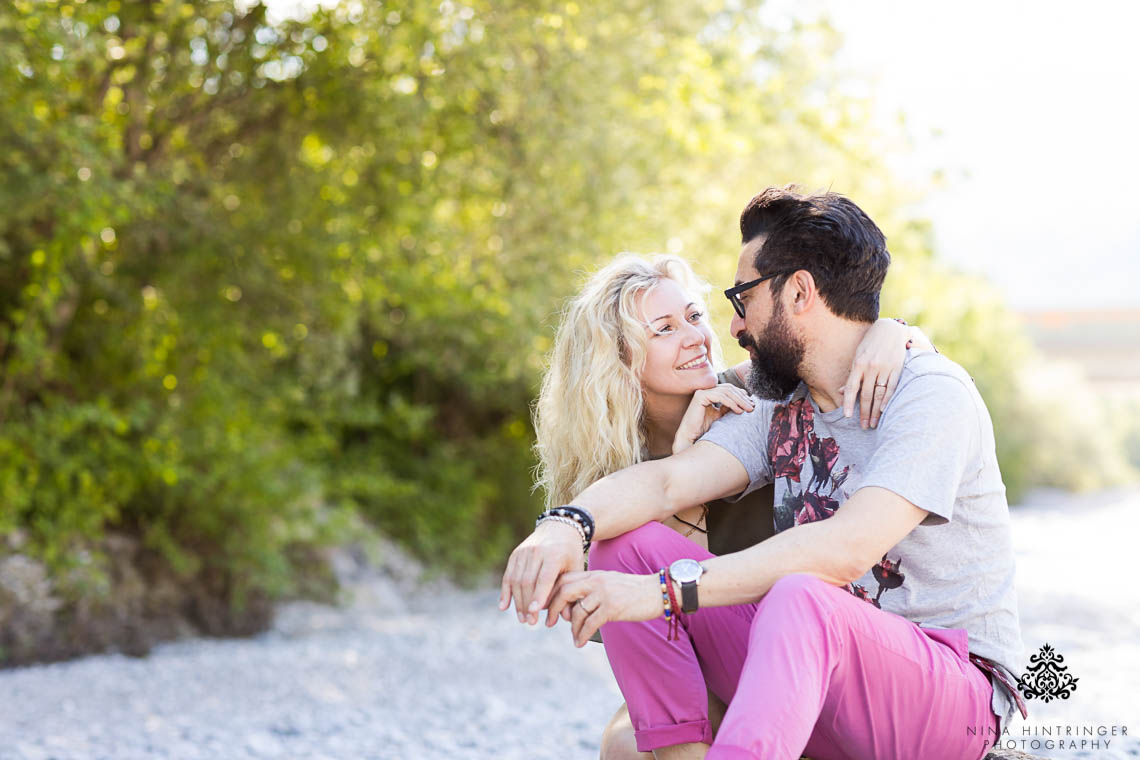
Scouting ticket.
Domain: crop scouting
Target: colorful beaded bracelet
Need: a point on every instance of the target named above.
(665, 596)
(669, 601)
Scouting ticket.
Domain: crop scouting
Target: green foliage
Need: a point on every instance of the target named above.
(255, 276)
(151, 327)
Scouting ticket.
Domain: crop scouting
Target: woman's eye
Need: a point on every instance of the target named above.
(664, 329)
(696, 316)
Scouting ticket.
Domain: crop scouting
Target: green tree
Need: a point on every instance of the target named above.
(257, 276)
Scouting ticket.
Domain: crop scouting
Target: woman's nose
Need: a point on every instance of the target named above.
(693, 335)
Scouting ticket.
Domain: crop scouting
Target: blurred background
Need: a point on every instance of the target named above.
(271, 277)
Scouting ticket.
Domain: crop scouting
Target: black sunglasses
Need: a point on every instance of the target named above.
(733, 293)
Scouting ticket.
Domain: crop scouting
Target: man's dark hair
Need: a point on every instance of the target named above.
(827, 235)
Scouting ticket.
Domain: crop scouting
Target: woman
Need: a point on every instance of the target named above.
(634, 376)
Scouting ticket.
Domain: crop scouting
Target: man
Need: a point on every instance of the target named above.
(881, 620)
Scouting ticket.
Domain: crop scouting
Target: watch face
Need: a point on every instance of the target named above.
(685, 570)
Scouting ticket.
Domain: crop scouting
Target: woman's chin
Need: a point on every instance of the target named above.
(702, 380)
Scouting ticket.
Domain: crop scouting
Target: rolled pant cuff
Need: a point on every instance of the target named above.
(650, 739)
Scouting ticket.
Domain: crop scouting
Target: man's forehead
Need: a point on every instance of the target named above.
(747, 262)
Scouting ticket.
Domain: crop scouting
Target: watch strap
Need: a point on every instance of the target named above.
(689, 597)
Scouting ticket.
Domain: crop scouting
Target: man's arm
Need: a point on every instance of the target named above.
(838, 550)
(619, 503)
(920, 459)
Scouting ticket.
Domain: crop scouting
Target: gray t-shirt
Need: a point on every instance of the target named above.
(934, 446)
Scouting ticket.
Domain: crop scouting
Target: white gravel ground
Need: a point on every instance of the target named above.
(459, 681)
(442, 674)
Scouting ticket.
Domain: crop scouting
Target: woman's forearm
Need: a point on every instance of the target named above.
(652, 491)
(627, 499)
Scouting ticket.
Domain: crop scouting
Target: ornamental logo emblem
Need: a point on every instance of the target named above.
(1046, 677)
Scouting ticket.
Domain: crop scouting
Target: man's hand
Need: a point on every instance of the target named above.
(553, 549)
(588, 599)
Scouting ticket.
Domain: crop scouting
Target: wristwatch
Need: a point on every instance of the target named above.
(687, 572)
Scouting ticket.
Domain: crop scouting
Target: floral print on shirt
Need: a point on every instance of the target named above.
(798, 455)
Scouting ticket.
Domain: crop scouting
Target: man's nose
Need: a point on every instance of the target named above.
(736, 326)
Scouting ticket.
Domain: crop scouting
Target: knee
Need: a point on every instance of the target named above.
(641, 550)
(618, 740)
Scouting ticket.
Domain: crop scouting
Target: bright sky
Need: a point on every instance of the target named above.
(1031, 111)
(1037, 104)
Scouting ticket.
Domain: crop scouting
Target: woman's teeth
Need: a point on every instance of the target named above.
(694, 363)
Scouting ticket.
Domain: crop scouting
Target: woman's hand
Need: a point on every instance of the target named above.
(588, 599)
(707, 407)
(536, 564)
(875, 371)
(919, 342)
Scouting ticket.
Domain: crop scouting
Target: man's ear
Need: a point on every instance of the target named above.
(802, 291)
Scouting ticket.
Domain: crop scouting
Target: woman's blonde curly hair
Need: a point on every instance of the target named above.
(589, 413)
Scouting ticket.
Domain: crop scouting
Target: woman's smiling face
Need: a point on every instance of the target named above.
(678, 358)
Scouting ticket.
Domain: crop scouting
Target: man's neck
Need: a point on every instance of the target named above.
(828, 361)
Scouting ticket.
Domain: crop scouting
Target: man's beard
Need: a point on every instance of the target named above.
(776, 358)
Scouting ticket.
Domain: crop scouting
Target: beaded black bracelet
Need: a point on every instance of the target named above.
(580, 515)
(582, 520)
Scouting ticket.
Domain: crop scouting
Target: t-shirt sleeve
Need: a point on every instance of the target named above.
(928, 435)
(729, 376)
(745, 436)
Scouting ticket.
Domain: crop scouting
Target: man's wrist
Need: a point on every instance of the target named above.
(654, 592)
(685, 574)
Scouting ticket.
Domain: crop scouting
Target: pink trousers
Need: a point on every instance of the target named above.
(808, 670)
